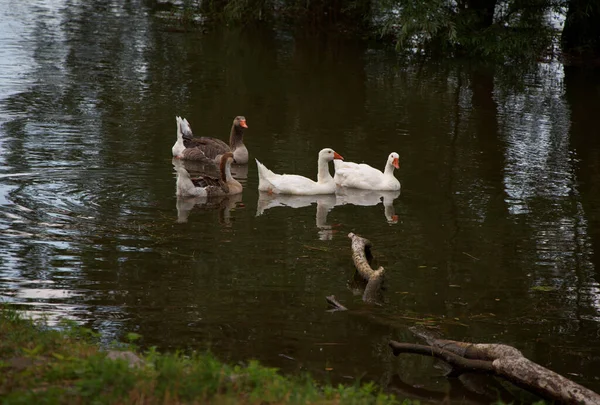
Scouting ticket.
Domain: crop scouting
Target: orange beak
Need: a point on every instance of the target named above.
(396, 163)
(243, 123)
(337, 156)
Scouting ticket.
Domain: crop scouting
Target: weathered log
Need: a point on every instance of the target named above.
(362, 257)
(506, 362)
(335, 304)
(459, 364)
(372, 292)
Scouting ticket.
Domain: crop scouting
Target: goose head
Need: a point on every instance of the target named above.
(394, 160)
(236, 137)
(329, 154)
(240, 121)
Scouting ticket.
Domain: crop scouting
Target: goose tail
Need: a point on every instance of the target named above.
(264, 174)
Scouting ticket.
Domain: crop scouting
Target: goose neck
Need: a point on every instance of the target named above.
(323, 174)
(236, 137)
(389, 169)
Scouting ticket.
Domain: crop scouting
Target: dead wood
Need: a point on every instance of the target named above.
(459, 364)
(502, 361)
(362, 257)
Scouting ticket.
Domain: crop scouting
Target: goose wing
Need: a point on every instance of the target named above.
(210, 146)
(195, 154)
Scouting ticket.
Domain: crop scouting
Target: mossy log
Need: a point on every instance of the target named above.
(502, 361)
(362, 257)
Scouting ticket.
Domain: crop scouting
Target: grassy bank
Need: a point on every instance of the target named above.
(48, 366)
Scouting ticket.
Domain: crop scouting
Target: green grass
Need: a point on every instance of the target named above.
(40, 365)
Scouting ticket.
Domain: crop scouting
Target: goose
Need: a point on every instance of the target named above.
(213, 148)
(299, 185)
(363, 176)
(180, 151)
(208, 186)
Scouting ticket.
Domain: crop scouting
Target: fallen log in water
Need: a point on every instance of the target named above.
(362, 257)
(502, 361)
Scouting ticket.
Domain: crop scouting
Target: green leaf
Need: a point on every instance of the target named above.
(58, 356)
(544, 288)
(132, 336)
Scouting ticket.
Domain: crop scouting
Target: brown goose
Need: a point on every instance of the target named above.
(213, 148)
(208, 186)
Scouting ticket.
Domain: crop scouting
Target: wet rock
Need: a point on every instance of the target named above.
(131, 358)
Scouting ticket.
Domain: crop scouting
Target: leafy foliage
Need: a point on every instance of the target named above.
(498, 30)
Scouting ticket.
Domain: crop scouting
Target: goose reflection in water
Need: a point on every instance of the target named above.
(196, 168)
(224, 204)
(369, 197)
(324, 203)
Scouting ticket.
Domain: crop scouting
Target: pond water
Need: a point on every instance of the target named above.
(494, 237)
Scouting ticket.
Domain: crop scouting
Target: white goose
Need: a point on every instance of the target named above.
(299, 185)
(208, 186)
(363, 176)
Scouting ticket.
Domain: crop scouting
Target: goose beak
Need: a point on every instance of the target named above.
(243, 124)
(337, 156)
(396, 163)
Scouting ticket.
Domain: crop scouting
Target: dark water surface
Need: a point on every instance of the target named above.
(494, 237)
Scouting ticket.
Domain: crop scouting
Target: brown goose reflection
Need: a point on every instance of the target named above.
(224, 204)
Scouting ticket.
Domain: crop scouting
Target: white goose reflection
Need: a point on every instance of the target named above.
(369, 197)
(324, 204)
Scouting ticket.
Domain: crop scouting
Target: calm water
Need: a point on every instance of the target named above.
(493, 238)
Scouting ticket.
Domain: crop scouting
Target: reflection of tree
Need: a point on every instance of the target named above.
(581, 93)
(545, 203)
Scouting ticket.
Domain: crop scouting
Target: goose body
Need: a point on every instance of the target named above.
(299, 185)
(214, 148)
(208, 186)
(363, 176)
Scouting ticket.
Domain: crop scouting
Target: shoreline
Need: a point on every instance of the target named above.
(66, 365)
